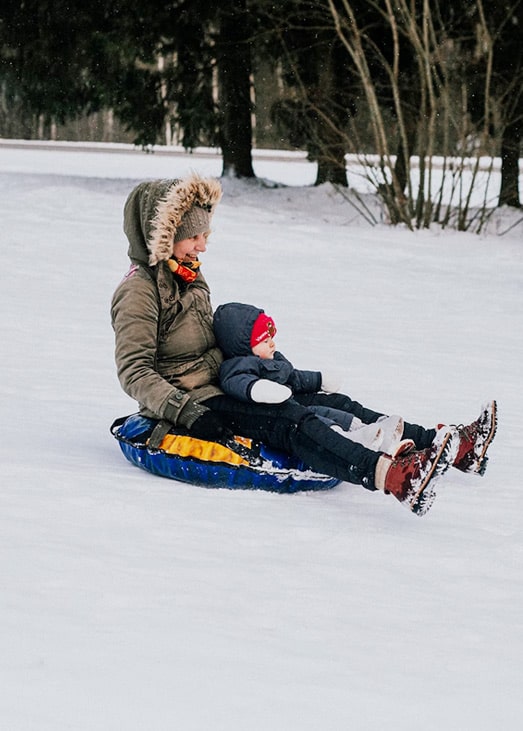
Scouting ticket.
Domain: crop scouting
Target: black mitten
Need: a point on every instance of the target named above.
(210, 426)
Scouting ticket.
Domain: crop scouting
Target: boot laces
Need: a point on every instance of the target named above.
(469, 431)
(410, 458)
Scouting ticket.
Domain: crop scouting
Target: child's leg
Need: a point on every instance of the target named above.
(393, 442)
(349, 426)
(421, 437)
(368, 435)
(333, 416)
(339, 402)
(384, 435)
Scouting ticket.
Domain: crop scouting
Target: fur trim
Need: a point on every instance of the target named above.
(170, 210)
(382, 468)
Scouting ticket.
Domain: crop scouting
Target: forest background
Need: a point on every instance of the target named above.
(406, 85)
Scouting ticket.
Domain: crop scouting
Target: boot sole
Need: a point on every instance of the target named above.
(482, 459)
(420, 500)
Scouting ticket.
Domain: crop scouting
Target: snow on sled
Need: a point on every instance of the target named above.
(238, 464)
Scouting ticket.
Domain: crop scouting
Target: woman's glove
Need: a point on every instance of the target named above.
(264, 391)
(210, 427)
(331, 381)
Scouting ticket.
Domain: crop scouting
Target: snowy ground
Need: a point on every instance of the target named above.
(132, 602)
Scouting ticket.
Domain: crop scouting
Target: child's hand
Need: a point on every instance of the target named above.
(331, 381)
(269, 392)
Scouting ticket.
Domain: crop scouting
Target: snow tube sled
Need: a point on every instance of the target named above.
(238, 464)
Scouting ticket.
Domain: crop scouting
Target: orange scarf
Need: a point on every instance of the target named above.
(188, 271)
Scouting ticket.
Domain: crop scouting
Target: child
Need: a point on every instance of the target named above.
(253, 370)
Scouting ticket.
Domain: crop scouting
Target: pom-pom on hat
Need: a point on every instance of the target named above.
(262, 329)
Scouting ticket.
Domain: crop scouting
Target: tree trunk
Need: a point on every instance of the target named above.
(331, 146)
(234, 74)
(402, 166)
(332, 168)
(510, 146)
(330, 119)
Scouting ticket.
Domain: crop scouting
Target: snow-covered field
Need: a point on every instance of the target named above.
(132, 602)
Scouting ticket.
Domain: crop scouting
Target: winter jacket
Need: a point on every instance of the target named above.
(166, 353)
(241, 369)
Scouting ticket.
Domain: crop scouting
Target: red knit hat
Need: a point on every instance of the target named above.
(262, 329)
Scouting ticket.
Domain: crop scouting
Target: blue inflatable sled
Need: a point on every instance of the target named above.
(238, 464)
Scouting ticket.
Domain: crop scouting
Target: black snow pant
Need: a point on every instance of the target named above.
(295, 429)
(421, 437)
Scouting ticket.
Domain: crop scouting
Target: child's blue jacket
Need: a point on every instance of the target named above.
(233, 323)
(239, 374)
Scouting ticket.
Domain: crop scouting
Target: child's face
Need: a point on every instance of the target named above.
(265, 349)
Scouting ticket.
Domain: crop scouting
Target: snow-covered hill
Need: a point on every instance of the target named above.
(132, 602)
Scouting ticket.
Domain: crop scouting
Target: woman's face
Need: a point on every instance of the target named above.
(190, 249)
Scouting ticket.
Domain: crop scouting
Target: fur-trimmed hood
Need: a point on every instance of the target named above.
(153, 212)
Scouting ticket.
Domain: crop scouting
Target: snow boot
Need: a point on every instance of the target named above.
(392, 442)
(475, 439)
(369, 435)
(412, 477)
(383, 435)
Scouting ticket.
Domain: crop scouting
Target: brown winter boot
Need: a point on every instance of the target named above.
(475, 439)
(412, 477)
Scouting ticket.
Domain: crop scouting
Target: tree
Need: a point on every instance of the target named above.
(153, 64)
(185, 53)
(401, 53)
(234, 64)
(490, 60)
(315, 111)
(45, 57)
(506, 21)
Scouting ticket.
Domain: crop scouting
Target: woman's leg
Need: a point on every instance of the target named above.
(296, 430)
(421, 437)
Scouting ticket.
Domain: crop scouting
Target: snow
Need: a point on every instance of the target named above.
(131, 601)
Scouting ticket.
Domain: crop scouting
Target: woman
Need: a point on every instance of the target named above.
(167, 359)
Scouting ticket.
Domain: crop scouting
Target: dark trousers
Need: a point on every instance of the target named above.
(421, 437)
(295, 429)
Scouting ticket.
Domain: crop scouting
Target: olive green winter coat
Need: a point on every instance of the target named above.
(166, 353)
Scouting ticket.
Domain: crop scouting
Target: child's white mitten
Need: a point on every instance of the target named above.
(331, 381)
(269, 392)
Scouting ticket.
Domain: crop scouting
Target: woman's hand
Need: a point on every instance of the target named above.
(210, 427)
